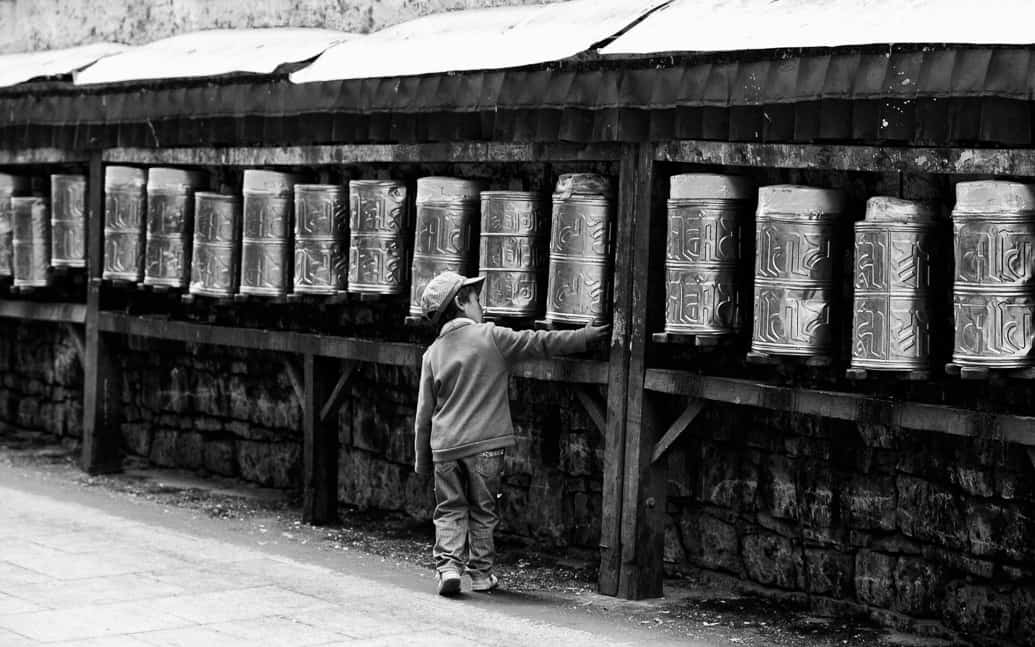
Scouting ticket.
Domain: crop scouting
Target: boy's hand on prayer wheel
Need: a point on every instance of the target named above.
(597, 334)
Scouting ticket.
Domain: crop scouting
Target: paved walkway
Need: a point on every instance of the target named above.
(76, 570)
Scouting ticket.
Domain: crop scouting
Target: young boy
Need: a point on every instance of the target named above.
(463, 420)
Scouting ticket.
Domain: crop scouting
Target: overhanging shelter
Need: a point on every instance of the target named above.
(798, 85)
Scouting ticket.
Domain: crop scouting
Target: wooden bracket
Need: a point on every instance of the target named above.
(337, 396)
(294, 374)
(1031, 455)
(676, 429)
(591, 402)
(78, 336)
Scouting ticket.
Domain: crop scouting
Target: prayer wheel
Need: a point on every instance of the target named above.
(125, 200)
(447, 227)
(800, 240)
(321, 235)
(510, 252)
(706, 264)
(896, 249)
(170, 225)
(378, 245)
(216, 258)
(68, 220)
(31, 241)
(994, 245)
(266, 255)
(10, 186)
(578, 289)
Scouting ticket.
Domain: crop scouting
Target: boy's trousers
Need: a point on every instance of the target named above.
(466, 493)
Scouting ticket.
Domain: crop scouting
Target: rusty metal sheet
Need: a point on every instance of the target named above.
(22, 67)
(213, 52)
(478, 39)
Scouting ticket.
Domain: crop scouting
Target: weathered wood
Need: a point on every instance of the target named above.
(676, 429)
(41, 156)
(360, 153)
(102, 382)
(73, 313)
(338, 393)
(844, 406)
(838, 157)
(295, 377)
(78, 340)
(590, 401)
(319, 446)
(643, 486)
(581, 371)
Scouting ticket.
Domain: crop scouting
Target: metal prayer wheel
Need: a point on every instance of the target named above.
(706, 271)
(10, 186)
(510, 252)
(31, 241)
(896, 250)
(800, 239)
(68, 220)
(446, 230)
(266, 256)
(170, 225)
(378, 243)
(216, 257)
(125, 200)
(321, 235)
(579, 285)
(992, 295)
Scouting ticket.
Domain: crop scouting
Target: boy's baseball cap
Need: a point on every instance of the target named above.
(439, 292)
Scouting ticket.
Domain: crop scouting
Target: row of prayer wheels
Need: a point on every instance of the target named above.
(282, 236)
(802, 235)
(39, 232)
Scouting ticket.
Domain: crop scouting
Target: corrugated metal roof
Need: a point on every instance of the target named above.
(478, 39)
(732, 25)
(214, 52)
(18, 68)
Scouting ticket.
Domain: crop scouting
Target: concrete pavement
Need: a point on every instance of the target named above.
(83, 569)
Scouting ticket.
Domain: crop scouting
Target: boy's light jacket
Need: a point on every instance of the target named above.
(463, 407)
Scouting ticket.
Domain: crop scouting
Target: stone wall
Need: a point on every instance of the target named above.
(41, 380)
(31, 25)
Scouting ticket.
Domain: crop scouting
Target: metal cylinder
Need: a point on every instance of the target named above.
(993, 294)
(800, 238)
(511, 252)
(707, 271)
(216, 257)
(10, 186)
(125, 201)
(446, 230)
(170, 225)
(896, 248)
(321, 239)
(68, 220)
(266, 255)
(31, 241)
(579, 285)
(379, 218)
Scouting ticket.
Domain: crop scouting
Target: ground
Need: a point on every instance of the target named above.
(393, 551)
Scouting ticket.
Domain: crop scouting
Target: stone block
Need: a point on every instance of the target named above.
(930, 512)
(579, 453)
(190, 450)
(727, 480)
(673, 551)
(878, 436)
(163, 447)
(918, 587)
(874, 578)
(995, 530)
(778, 489)
(773, 560)
(220, 457)
(207, 425)
(1023, 611)
(978, 609)
(972, 480)
(829, 572)
(369, 432)
(28, 413)
(368, 481)
(248, 431)
(136, 437)
(710, 542)
(870, 502)
(816, 495)
(272, 464)
(239, 401)
(399, 447)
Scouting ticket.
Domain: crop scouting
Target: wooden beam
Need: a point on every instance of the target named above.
(78, 340)
(843, 406)
(42, 156)
(295, 377)
(319, 446)
(338, 393)
(102, 381)
(676, 429)
(365, 153)
(581, 371)
(594, 408)
(73, 313)
(839, 157)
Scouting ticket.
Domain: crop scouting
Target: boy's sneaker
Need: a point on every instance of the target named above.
(484, 582)
(448, 582)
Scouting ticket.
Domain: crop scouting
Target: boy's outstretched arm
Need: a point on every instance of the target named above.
(422, 421)
(516, 345)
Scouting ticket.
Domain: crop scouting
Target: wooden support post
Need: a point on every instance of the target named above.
(676, 429)
(102, 381)
(319, 445)
(590, 401)
(643, 485)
